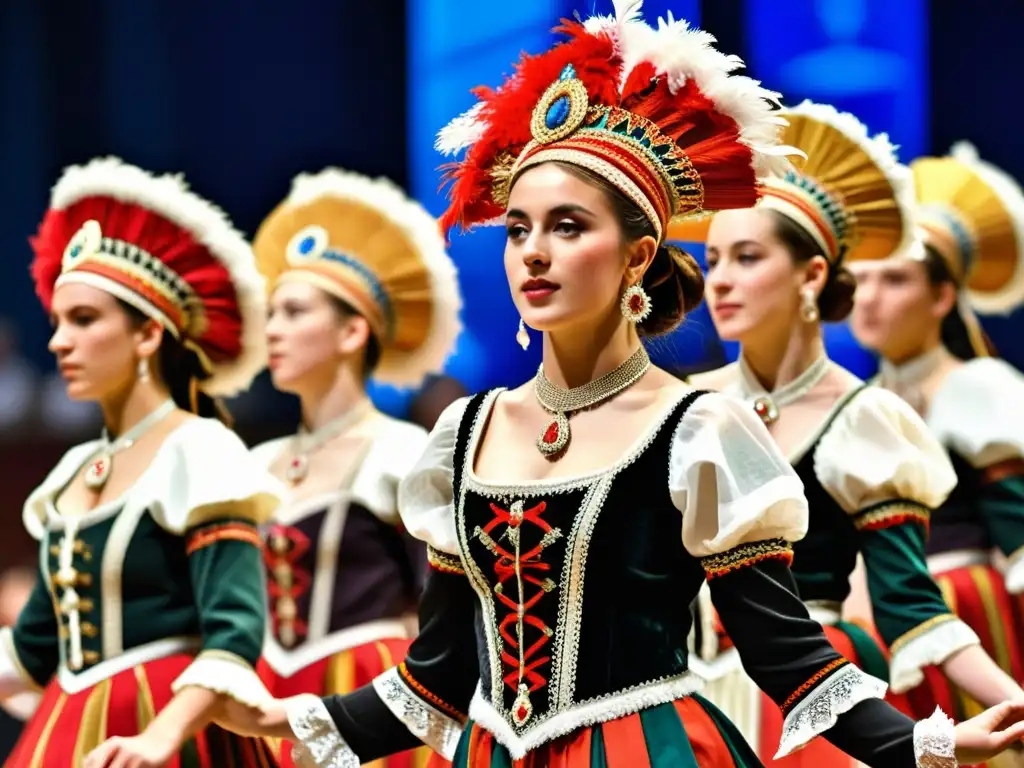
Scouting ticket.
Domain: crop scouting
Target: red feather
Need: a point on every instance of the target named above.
(173, 245)
(507, 112)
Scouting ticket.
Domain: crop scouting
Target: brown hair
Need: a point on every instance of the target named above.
(372, 351)
(835, 301)
(673, 280)
(178, 367)
(955, 336)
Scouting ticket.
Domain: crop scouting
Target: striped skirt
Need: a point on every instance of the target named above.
(687, 733)
(341, 673)
(67, 726)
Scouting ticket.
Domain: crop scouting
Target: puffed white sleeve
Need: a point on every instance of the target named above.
(425, 495)
(730, 481)
(210, 491)
(975, 414)
(886, 470)
(742, 507)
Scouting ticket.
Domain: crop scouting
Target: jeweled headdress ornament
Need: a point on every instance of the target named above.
(154, 244)
(364, 241)
(656, 112)
(972, 214)
(849, 193)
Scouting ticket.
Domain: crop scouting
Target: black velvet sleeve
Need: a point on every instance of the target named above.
(440, 670)
(788, 656)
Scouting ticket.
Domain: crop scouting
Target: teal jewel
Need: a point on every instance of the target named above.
(75, 251)
(307, 244)
(568, 72)
(557, 113)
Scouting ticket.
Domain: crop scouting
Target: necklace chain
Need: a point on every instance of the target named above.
(561, 402)
(766, 405)
(98, 471)
(308, 441)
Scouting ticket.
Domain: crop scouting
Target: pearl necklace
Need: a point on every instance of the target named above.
(560, 402)
(305, 443)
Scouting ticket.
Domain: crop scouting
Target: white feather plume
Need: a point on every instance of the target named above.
(169, 196)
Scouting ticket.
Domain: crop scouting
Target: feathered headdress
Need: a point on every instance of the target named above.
(850, 194)
(364, 241)
(151, 242)
(972, 214)
(656, 112)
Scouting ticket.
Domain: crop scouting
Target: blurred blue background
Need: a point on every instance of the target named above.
(240, 97)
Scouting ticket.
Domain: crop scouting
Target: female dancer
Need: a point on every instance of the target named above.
(147, 612)
(362, 286)
(916, 311)
(571, 520)
(871, 471)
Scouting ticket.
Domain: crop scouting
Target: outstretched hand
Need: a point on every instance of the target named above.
(994, 730)
(143, 751)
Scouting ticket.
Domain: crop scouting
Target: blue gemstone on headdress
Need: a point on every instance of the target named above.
(568, 73)
(75, 251)
(557, 113)
(307, 245)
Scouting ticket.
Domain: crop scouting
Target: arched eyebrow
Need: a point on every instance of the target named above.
(558, 210)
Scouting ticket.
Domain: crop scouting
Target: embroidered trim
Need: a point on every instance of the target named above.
(820, 709)
(600, 709)
(935, 741)
(287, 582)
(431, 726)
(443, 562)
(1002, 470)
(938, 639)
(227, 532)
(318, 742)
(893, 512)
(811, 682)
(437, 701)
(525, 570)
(746, 555)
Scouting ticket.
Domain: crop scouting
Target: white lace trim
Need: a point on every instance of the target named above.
(583, 715)
(820, 710)
(933, 646)
(318, 742)
(226, 674)
(935, 742)
(431, 726)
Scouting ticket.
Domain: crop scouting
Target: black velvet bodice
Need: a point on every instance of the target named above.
(604, 580)
(824, 559)
(957, 524)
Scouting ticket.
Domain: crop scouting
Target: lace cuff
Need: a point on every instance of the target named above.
(430, 725)
(935, 742)
(226, 674)
(318, 744)
(932, 642)
(821, 708)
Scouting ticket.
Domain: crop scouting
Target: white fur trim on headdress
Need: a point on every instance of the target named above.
(169, 196)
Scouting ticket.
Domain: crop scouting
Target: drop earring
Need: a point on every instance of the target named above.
(808, 306)
(522, 337)
(142, 369)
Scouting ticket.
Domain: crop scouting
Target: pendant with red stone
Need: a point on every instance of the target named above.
(555, 436)
(766, 409)
(98, 471)
(298, 467)
(522, 707)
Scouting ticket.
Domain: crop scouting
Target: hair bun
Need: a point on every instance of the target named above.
(836, 299)
(675, 284)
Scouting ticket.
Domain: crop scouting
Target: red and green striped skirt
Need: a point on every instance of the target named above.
(686, 733)
(67, 726)
(342, 673)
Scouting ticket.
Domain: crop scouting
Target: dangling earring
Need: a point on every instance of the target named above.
(808, 306)
(635, 304)
(522, 336)
(142, 369)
